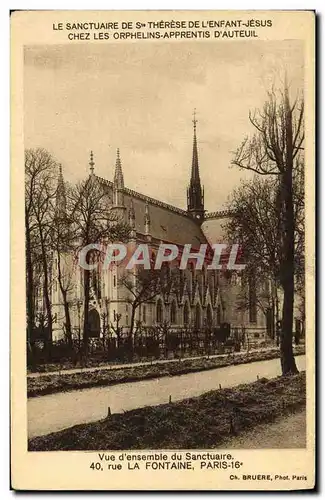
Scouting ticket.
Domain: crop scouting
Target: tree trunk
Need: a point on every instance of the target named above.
(67, 320)
(133, 310)
(273, 318)
(86, 310)
(47, 299)
(66, 306)
(288, 363)
(287, 359)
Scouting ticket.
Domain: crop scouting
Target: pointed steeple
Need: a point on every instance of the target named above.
(118, 183)
(91, 163)
(195, 193)
(61, 201)
(118, 175)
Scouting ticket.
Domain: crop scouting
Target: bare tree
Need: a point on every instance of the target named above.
(254, 223)
(143, 286)
(63, 240)
(276, 149)
(40, 191)
(65, 269)
(93, 222)
(117, 329)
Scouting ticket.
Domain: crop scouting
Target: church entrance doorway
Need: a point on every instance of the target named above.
(94, 323)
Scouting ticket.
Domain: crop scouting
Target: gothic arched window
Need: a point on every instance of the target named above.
(173, 319)
(186, 314)
(197, 316)
(209, 316)
(96, 283)
(192, 274)
(204, 276)
(159, 312)
(181, 277)
(218, 314)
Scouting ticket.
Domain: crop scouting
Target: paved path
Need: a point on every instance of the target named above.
(287, 432)
(142, 363)
(60, 410)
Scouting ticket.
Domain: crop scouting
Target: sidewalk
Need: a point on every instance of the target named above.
(141, 363)
(285, 432)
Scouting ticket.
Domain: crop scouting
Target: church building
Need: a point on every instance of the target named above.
(202, 299)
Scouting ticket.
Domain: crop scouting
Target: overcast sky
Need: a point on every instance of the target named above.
(140, 97)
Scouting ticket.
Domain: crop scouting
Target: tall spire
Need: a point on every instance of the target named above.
(195, 193)
(118, 175)
(195, 176)
(91, 163)
(118, 184)
(61, 201)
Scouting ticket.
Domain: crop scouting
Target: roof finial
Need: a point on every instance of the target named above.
(132, 214)
(147, 220)
(118, 175)
(146, 213)
(91, 162)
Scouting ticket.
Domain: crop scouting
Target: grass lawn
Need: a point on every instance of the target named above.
(52, 383)
(206, 421)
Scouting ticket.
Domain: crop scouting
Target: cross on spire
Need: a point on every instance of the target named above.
(195, 176)
(194, 119)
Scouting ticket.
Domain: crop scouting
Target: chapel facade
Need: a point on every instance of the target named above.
(198, 299)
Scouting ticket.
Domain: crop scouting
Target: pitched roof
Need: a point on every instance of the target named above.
(167, 223)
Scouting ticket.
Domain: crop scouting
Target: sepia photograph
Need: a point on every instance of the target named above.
(165, 246)
(165, 356)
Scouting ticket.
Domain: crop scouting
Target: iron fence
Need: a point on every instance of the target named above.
(146, 343)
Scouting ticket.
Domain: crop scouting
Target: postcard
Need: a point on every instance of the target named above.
(162, 251)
